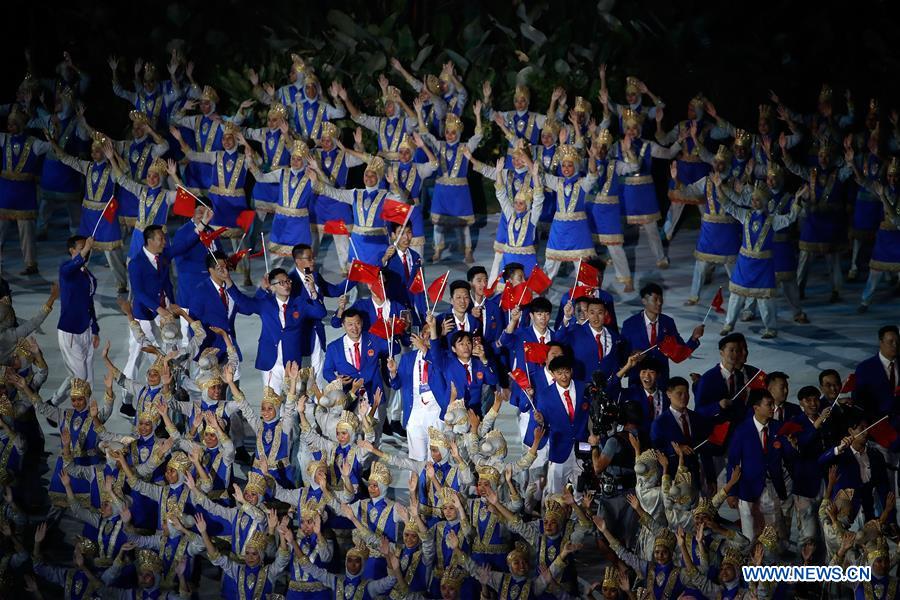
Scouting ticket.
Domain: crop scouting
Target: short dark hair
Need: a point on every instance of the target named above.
(887, 329)
(675, 382)
(73, 241)
(476, 270)
(732, 338)
(649, 364)
(298, 249)
(459, 284)
(560, 362)
(276, 272)
(212, 260)
(651, 288)
(828, 372)
(540, 305)
(151, 230)
(567, 351)
(808, 391)
(597, 263)
(632, 413)
(757, 396)
(458, 335)
(591, 301)
(510, 268)
(776, 375)
(351, 312)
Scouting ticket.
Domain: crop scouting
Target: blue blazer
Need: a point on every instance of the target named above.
(745, 449)
(514, 343)
(206, 306)
(190, 260)
(665, 429)
(76, 297)
(146, 284)
(369, 315)
(586, 353)
(404, 382)
(493, 317)
(373, 353)
(562, 433)
(849, 477)
(314, 326)
(397, 284)
(272, 333)
(712, 387)
(636, 394)
(790, 412)
(454, 372)
(608, 303)
(806, 471)
(634, 333)
(873, 391)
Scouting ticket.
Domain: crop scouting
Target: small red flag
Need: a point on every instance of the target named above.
(245, 220)
(109, 213)
(883, 434)
(588, 276)
(395, 211)
(514, 295)
(673, 350)
(437, 288)
(521, 378)
(538, 281)
(363, 273)
(535, 352)
(417, 285)
(207, 237)
(185, 203)
(397, 326)
(759, 381)
(719, 434)
(235, 258)
(582, 291)
(489, 291)
(717, 302)
(336, 227)
(790, 428)
(850, 385)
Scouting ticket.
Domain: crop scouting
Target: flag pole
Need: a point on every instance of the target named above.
(870, 426)
(648, 349)
(425, 291)
(443, 285)
(700, 444)
(708, 310)
(111, 198)
(262, 236)
(574, 285)
(347, 280)
(352, 245)
(749, 381)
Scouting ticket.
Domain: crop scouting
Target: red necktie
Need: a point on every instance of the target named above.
(652, 404)
(284, 314)
(653, 333)
(224, 297)
(468, 374)
(685, 426)
(542, 339)
(765, 439)
(570, 408)
(357, 361)
(380, 312)
(599, 346)
(405, 265)
(423, 376)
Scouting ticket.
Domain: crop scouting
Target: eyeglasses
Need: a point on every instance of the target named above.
(282, 282)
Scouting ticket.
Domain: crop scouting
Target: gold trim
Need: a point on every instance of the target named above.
(291, 212)
(452, 181)
(719, 259)
(601, 199)
(265, 206)
(642, 219)
(523, 250)
(678, 198)
(18, 176)
(724, 219)
(574, 216)
(280, 250)
(740, 290)
(107, 246)
(7, 214)
(128, 221)
(224, 191)
(498, 247)
(90, 204)
(637, 179)
(439, 219)
(761, 255)
(568, 255)
(818, 247)
(884, 266)
(360, 230)
(393, 156)
(608, 239)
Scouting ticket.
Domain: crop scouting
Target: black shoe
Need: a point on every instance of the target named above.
(399, 430)
(242, 456)
(29, 270)
(387, 430)
(127, 410)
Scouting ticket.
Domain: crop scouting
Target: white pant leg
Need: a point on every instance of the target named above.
(317, 362)
(495, 267)
(395, 406)
(748, 512)
(26, 241)
(734, 307)
(116, 259)
(467, 238)
(620, 262)
(700, 269)
(792, 295)
(77, 352)
(558, 474)
(438, 237)
(769, 313)
(672, 218)
(274, 378)
(421, 418)
(551, 267)
(871, 285)
(342, 247)
(653, 239)
(135, 355)
(802, 268)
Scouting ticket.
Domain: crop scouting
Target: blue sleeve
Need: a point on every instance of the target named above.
(139, 292)
(734, 456)
(827, 457)
(490, 377)
(244, 304)
(703, 405)
(314, 309)
(328, 369)
(71, 266)
(182, 243)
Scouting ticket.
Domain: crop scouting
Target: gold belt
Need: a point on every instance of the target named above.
(18, 176)
(575, 216)
(93, 205)
(291, 212)
(605, 199)
(452, 181)
(726, 219)
(490, 548)
(221, 191)
(763, 255)
(369, 230)
(637, 179)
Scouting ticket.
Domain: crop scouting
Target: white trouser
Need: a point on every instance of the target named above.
(421, 418)
(672, 217)
(77, 350)
(765, 511)
(654, 241)
(135, 355)
(559, 474)
(833, 261)
(274, 377)
(767, 310)
(495, 267)
(26, 239)
(395, 405)
(543, 454)
(551, 267)
(701, 268)
(620, 262)
(317, 362)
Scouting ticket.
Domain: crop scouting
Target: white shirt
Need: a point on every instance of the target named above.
(605, 339)
(281, 304)
(538, 335)
(150, 256)
(230, 299)
(549, 376)
(759, 431)
(421, 398)
(483, 310)
(657, 401)
(385, 310)
(562, 390)
(677, 414)
(461, 325)
(865, 468)
(348, 350)
(885, 364)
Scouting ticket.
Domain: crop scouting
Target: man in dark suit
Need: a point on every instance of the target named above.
(878, 376)
(595, 346)
(650, 327)
(646, 393)
(679, 425)
(211, 305)
(806, 473)
(464, 365)
(458, 317)
(190, 254)
(777, 384)
(605, 296)
(282, 317)
(401, 264)
(563, 410)
(487, 310)
(762, 455)
(148, 273)
(78, 331)
(715, 391)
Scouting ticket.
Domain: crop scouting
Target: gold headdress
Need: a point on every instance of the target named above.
(632, 118)
(761, 192)
(453, 123)
(256, 483)
(80, 388)
(278, 111)
(21, 348)
(723, 154)
(392, 94)
(610, 578)
(329, 130)
(765, 112)
(377, 166)
(774, 170)
(315, 465)
(150, 75)
(704, 508)
(159, 167)
(873, 106)
(437, 438)
(87, 546)
(454, 577)
(272, 397)
(310, 79)
(412, 526)
(97, 140)
(157, 363)
(408, 143)
(893, 166)
(148, 560)
(648, 458)
(521, 147)
(665, 539)
(698, 102)
(525, 194)
(551, 126)
(433, 84)
(489, 474)
(522, 91)
(348, 422)
(380, 474)
(554, 511)
(604, 137)
(446, 495)
(6, 407)
(359, 551)
(138, 117)
(258, 541)
(519, 552)
(631, 85)
(179, 461)
(210, 429)
(569, 153)
(826, 93)
(149, 414)
(741, 138)
(769, 538)
(878, 549)
(230, 128)
(299, 149)
(65, 93)
(211, 380)
(734, 557)
(209, 94)
(582, 105)
(297, 63)
(309, 510)
(495, 436)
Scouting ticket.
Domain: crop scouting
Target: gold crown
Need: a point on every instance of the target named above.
(769, 538)
(6, 407)
(150, 414)
(433, 84)
(555, 511)
(632, 118)
(310, 79)
(742, 137)
(665, 539)
(631, 85)
(893, 166)
(412, 526)
(604, 137)
(489, 474)
(723, 154)
(610, 578)
(878, 549)
(496, 436)
(179, 461)
(774, 170)
(525, 194)
(98, 139)
(377, 166)
(698, 102)
(211, 380)
(765, 112)
(209, 94)
(348, 422)
(87, 546)
(138, 117)
(256, 483)
(761, 192)
(522, 91)
(873, 106)
(148, 560)
(299, 149)
(437, 438)
(21, 348)
(230, 128)
(551, 126)
(521, 148)
(149, 72)
(408, 143)
(704, 508)
(454, 577)
(330, 130)
(582, 105)
(297, 63)
(648, 458)
(80, 388)
(157, 363)
(258, 541)
(309, 510)
(211, 430)
(734, 557)
(380, 474)
(272, 397)
(315, 465)
(520, 552)
(391, 94)
(457, 407)
(159, 167)
(358, 551)
(446, 495)
(569, 153)
(278, 111)
(453, 123)
(826, 93)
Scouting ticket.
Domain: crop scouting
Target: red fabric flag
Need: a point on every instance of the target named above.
(384, 330)
(437, 288)
(587, 276)
(395, 211)
(514, 295)
(759, 381)
(185, 203)
(581, 291)
(336, 227)
(235, 258)
(790, 428)
(364, 273)
(521, 378)
(717, 302)
(489, 291)
(883, 434)
(673, 350)
(109, 213)
(538, 281)
(719, 434)
(536, 352)
(850, 385)
(417, 285)
(207, 237)
(245, 220)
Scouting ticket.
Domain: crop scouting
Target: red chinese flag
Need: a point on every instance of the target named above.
(363, 273)
(673, 350)
(717, 302)
(883, 434)
(109, 213)
(417, 285)
(587, 276)
(489, 291)
(245, 220)
(850, 385)
(437, 288)
(719, 434)
(336, 227)
(398, 326)
(514, 295)
(379, 328)
(185, 203)
(395, 211)
(535, 352)
(759, 381)
(538, 282)
(207, 237)
(790, 428)
(235, 258)
(521, 378)
(582, 291)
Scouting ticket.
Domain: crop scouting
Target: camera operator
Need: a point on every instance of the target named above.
(613, 467)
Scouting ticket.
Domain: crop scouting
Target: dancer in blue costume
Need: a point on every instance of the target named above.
(524, 124)
(440, 95)
(547, 153)
(867, 207)
(398, 120)
(287, 95)
(311, 112)
(275, 140)
(634, 91)
(153, 201)
(149, 96)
